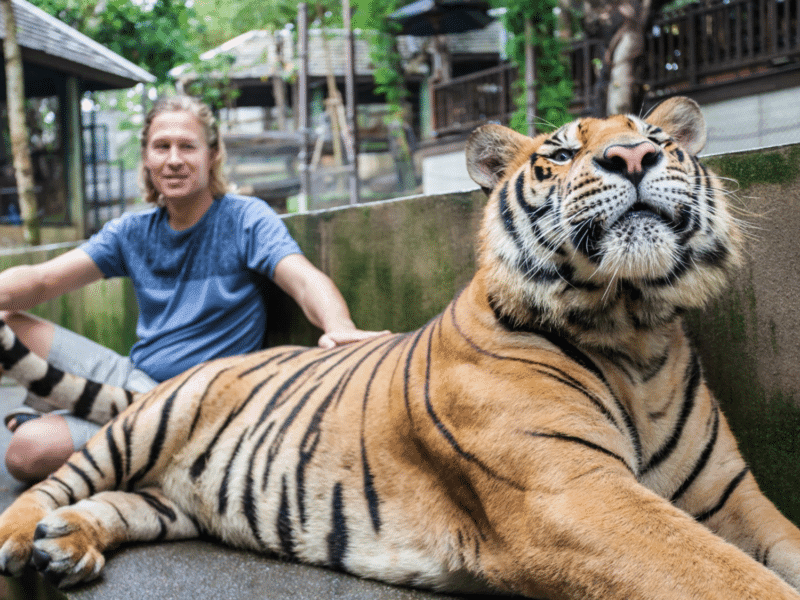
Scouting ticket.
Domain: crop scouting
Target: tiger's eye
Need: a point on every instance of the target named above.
(563, 155)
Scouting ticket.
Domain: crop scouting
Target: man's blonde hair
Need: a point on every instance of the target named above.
(217, 181)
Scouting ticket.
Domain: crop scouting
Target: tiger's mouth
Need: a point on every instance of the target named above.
(645, 210)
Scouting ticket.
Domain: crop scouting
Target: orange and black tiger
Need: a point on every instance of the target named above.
(549, 434)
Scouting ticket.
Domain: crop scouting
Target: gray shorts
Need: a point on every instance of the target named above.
(73, 353)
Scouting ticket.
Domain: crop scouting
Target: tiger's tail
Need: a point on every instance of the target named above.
(96, 402)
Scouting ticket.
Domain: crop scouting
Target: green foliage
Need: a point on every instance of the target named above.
(553, 79)
(225, 19)
(370, 15)
(213, 84)
(156, 37)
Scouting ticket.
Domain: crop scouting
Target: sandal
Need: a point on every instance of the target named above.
(19, 416)
(80, 430)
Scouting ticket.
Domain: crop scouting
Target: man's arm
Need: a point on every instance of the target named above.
(24, 286)
(320, 300)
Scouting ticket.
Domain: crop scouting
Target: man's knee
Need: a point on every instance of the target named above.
(38, 447)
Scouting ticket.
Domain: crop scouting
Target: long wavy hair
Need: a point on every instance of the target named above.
(217, 181)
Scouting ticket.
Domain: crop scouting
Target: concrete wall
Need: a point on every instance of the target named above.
(399, 262)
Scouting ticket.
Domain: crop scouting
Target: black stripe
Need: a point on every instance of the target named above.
(654, 368)
(702, 461)
(311, 437)
(67, 488)
(10, 357)
(337, 538)
(577, 356)
(157, 444)
(129, 396)
(223, 487)
(116, 457)
(248, 498)
(203, 397)
(201, 461)
(683, 262)
(92, 461)
(535, 214)
(724, 498)
(157, 505)
(447, 434)
(370, 494)
(119, 514)
(689, 395)
(290, 380)
(277, 441)
(162, 531)
(291, 354)
(284, 524)
(127, 432)
(407, 370)
(85, 402)
(308, 446)
(713, 256)
(571, 438)
(46, 493)
(507, 215)
(82, 474)
(44, 386)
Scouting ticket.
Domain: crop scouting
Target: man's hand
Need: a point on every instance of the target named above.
(341, 337)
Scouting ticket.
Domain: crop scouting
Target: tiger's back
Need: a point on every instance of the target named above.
(549, 434)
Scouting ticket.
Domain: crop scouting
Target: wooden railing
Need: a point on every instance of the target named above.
(705, 45)
(465, 102)
(699, 47)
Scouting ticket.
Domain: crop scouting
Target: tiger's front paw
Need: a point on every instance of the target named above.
(66, 549)
(17, 526)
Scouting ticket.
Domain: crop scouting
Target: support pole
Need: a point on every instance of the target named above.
(530, 79)
(302, 108)
(350, 98)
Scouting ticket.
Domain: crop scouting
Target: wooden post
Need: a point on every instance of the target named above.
(302, 108)
(530, 79)
(20, 147)
(351, 140)
(73, 147)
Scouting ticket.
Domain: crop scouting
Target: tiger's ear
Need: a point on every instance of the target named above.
(491, 149)
(681, 118)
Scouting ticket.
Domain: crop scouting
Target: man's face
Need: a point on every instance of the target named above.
(178, 156)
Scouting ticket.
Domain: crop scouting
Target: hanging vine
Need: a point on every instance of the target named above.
(553, 79)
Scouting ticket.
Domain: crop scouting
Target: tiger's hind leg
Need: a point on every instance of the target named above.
(69, 542)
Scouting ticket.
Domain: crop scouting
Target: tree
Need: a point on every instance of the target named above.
(621, 25)
(155, 37)
(552, 78)
(15, 98)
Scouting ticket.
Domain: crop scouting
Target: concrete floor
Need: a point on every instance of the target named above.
(191, 570)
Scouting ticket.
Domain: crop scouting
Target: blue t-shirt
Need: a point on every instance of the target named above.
(197, 293)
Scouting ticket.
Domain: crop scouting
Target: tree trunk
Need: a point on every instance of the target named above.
(627, 46)
(15, 97)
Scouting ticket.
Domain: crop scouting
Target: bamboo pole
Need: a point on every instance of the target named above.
(350, 98)
(302, 108)
(20, 148)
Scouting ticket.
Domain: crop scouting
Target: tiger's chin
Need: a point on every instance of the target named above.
(638, 250)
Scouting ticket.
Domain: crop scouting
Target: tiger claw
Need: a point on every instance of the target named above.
(63, 553)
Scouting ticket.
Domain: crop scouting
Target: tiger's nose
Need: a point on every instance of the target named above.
(630, 160)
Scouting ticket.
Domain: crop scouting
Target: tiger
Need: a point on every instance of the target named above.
(549, 434)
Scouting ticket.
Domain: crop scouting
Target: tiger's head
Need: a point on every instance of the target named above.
(603, 226)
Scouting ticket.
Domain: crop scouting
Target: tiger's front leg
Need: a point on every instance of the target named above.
(62, 525)
(616, 540)
(69, 542)
(726, 498)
